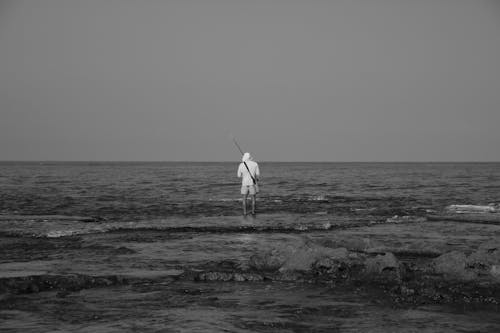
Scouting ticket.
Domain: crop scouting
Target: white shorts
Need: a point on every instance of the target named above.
(249, 189)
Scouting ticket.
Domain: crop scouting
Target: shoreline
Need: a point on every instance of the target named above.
(404, 257)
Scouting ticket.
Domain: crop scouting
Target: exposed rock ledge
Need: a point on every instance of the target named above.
(61, 283)
(451, 277)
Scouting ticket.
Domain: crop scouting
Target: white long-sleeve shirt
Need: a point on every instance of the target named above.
(243, 172)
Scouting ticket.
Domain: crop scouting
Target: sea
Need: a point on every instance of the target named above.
(155, 220)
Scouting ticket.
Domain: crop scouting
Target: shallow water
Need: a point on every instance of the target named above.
(153, 221)
(234, 307)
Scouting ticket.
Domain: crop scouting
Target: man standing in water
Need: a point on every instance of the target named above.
(249, 172)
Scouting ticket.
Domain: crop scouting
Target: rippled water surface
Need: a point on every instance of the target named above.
(155, 220)
(130, 191)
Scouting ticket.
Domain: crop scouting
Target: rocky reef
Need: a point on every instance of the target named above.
(413, 260)
(450, 277)
(61, 283)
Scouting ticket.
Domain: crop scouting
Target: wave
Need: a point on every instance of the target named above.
(200, 229)
(226, 199)
(317, 198)
(265, 223)
(271, 223)
(460, 209)
(405, 219)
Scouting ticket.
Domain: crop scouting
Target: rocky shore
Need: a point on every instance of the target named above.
(412, 260)
(406, 274)
(452, 277)
(61, 283)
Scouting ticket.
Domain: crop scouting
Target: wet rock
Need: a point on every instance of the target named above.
(383, 267)
(240, 277)
(340, 253)
(124, 250)
(448, 278)
(453, 265)
(332, 268)
(107, 282)
(495, 272)
(381, 263)
(268, 261)
(487, 254)
(228, 276)
(302, 258)
(289, 276)
(281, 256)
(342, 266)
(405, 291)
(38, 283)
(228, 265)
(214, 276)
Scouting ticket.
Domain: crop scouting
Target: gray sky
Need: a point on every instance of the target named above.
(311, 80)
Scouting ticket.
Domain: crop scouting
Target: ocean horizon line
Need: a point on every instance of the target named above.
(234, 161)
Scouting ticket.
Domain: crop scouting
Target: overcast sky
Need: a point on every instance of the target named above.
(311, 80)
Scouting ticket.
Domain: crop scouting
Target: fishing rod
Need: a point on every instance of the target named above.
(239, 148)
(242, 153)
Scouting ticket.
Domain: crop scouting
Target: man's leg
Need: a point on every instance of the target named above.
(253, 204)
(244, 204)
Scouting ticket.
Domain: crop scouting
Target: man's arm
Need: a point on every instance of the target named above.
(239, 171)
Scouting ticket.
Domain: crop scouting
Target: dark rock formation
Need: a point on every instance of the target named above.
(453, 265)
(384, 268)
(73, 282)
(451, 277)
(228, 276)
(487, 254)
(482, 264)
(268, 261)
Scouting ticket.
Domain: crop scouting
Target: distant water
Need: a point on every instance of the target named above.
(137, 191)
